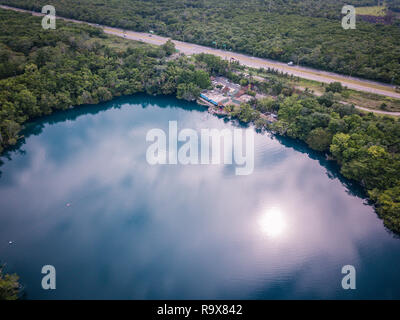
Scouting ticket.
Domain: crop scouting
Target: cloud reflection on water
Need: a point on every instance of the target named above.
(140, 231)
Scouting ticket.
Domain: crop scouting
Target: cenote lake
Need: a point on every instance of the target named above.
(79, 194)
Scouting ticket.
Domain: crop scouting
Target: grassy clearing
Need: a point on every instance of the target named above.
(376, 11)
(380, 115)
(121, 43)
(363, 99)
(373, 101)
(317, 88)
(359, 98)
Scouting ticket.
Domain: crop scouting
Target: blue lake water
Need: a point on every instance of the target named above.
(136, 231)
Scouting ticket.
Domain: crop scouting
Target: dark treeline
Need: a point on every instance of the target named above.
(307, 32)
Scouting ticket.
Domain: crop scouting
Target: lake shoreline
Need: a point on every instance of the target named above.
(117, 216)
(313, 154)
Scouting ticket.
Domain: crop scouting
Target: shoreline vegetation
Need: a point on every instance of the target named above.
(42, 72)
(10, 288)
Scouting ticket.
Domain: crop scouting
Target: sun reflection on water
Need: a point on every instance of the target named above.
(272, 222)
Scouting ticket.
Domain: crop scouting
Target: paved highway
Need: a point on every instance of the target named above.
(302, 72)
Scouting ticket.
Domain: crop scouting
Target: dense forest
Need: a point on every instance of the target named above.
(43, 71)
(307, 32)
